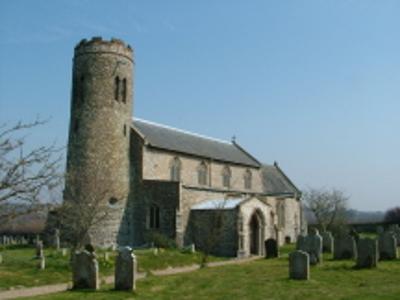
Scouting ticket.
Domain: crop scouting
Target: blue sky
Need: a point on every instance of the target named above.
(313, 85)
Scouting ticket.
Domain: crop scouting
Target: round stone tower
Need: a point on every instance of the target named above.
(98, 146)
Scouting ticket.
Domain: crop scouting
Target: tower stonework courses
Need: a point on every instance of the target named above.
(99, 133)
(153, 180)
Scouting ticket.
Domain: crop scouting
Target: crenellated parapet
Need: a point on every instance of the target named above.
(98, 45)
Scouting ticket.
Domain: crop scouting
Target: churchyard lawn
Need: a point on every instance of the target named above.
(262, 279)
(19, 267)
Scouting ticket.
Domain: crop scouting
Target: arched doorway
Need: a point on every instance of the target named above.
(255, 234)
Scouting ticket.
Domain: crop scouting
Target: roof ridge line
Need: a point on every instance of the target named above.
(181, 130)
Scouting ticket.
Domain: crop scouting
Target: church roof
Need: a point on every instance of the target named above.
(168, 138)
(276, 182)
(217, 204)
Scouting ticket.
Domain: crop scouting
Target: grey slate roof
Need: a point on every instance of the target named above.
(168, 138)
(276, 182)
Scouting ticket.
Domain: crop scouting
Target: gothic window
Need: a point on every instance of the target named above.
(247, 179)
(116, 88)
(202, 173)
(124, 90)
(226, 177)
(154, 217)
(175, 169)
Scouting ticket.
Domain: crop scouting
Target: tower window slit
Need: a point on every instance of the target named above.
(116, 88)
(124, 90)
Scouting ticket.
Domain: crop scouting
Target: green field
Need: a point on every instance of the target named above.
(19, 268)
(262, 279)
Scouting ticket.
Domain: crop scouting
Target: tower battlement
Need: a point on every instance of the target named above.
(98, 45)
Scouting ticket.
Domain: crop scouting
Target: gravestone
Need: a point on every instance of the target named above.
(367, 253)
(85, 271)
(327, 242)
(396, 230)
(64, 252)
(1, 258)
(125, 270)
(344, 247)
(299, 265)
(39, 249)
(312, 244)
(300, 244)
(57, 239)
(387, 244)
(42, 263)
(192, 248)
(271, 248)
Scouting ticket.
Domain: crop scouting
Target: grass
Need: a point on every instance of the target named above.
(262, 279)
(19, 268)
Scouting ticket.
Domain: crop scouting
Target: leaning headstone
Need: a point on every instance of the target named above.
(367, 253)
(299, 265)
(125, 270)
(57, 239)
(387, 246)
(85, 271)
(271, 248)
(42, 263)
(327, 242)
(39, 249)
(344, 247)
(396, 230)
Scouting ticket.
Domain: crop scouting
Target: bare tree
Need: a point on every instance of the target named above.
(26, 176)
(328, 206)
(83, 208)
(208, 226)
(393, 215)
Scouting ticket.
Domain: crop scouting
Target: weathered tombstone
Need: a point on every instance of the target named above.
(271, 248)
(387, 246)
(367, 253)
(344, 247)
(39, 249)
(125, 270)
(57, 239)
(312, 244)
(42, 263)
(327, 242)
(396, 230)
(85, 271)
(1, 258)
(192, 248)
(64, 252)
(299, 265)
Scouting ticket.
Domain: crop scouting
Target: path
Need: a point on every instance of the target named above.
(56, 288)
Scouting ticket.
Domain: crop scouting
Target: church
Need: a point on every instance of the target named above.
(161, 179)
